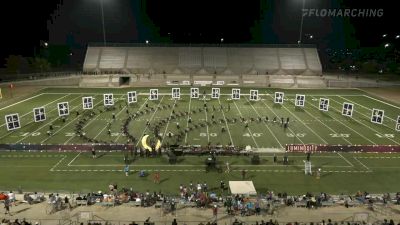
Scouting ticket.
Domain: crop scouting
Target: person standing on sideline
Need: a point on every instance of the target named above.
(93, 153)
(275, 158)
(243, 174)
(308, 156)
(228, 169)
(126, 170)
(7, 206)
(157, 177)
(318, 173)
(215, 212)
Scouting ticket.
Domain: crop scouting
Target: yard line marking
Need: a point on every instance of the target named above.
(120, 134)
(69, 139)
(187, 120)
(382, 101)
(345, 159)
(52, 168)
(247, 127)
(226, 123)
(265, 124)
(208, 135)
(190, 165)
(348, 100)
(297, 119)
(368, 169)
(151, 118)
(326, 125)
(21, 101)
(19, 141)
(348, 126)
(169, 119)
(31, 111)
(108, 122)
(69, 164)
(369, 127)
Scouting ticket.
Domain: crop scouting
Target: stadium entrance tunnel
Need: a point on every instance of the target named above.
(124, 81)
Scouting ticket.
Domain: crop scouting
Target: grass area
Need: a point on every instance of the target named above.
(78, 172)
(307, 125)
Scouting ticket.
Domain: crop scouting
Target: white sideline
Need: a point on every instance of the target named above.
(21, 101)
(345, 159)
(381, 101)
(362, 164)
(69, 164)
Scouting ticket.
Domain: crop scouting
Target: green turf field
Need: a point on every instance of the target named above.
(78, 172)
(307, 125)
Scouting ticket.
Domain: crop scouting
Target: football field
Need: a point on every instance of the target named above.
(224, 121)
(201, 121)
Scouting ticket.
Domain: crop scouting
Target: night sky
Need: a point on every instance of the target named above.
(77, 22)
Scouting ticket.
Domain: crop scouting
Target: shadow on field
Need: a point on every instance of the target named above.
(277, 106)
(164, 180)
(298, 109)
(101, 155)
(21, 210)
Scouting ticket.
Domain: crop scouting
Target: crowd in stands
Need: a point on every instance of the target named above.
(17, 222)
(199, 194)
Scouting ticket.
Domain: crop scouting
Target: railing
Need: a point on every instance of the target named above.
(35, 76)
(94, 44)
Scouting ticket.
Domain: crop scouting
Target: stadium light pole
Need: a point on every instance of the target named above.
(102, 20)
(301, 23)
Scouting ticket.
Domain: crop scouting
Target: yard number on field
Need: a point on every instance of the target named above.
(398, 124)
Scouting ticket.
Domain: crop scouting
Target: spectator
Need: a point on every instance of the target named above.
(174, 222)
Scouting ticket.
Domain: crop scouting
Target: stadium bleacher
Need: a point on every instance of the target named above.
(257, 60)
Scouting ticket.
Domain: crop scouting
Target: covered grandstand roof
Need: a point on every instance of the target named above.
(203, 59)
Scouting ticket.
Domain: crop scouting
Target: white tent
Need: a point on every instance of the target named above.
(242, 187)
